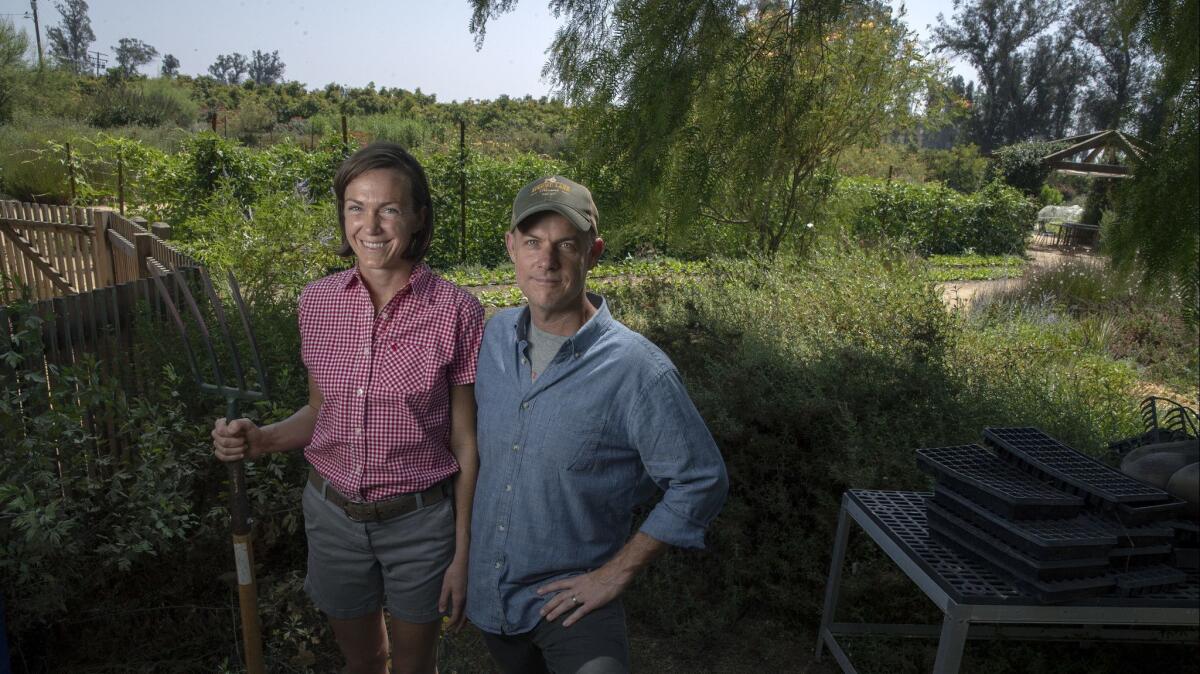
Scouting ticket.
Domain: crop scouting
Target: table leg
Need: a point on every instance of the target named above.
(951, 643)
(834, 582)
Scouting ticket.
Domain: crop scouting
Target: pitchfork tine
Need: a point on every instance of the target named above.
(236, 292)
(219, 310)
(187, 347)
(205, 336)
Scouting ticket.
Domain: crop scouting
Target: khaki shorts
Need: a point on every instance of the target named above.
(354, 568)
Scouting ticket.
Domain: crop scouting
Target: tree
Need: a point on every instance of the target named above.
(170, 66)
(229, 68)
(265, 68)
(13, 45)
(1155, 234)
(1119, 63)
(1028, 76)
(132, 54)
(69, 41)
(721, 116)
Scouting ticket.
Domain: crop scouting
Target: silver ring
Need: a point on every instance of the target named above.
(574, 600)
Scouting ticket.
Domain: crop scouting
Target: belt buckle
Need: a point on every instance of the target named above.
(352, 511)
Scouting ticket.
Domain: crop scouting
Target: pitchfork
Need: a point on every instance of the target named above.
(233, 392)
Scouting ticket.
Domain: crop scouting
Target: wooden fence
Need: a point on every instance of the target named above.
(84, 278)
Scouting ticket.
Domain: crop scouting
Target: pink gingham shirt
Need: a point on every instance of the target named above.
(384, 425)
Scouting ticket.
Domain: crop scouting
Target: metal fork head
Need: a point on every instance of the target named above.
(230, 390)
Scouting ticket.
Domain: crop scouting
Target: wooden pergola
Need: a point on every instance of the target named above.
(1108, 154)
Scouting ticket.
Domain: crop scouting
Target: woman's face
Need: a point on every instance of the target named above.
(380, 219)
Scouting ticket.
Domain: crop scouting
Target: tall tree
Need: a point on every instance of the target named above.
(1156, 232)
(1028, 75)
(265, 68)
(726, 116)
(71, 38)
(1120, 63)
(132, 54)
(229, 68)
(13, 45)
(170, 66)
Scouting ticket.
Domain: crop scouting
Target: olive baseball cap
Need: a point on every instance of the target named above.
(555, 193)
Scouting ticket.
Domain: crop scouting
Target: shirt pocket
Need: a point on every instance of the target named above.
(572, 445)
(405, 370)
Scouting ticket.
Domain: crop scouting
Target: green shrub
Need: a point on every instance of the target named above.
(1049, 196)
(1020, 165)
(142, 103)
(821, 375)
(934, 219)
(959, 167)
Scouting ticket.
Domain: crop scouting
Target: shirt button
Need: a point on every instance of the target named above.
(524, 406)
(524, 361)
(366, 350)
(360, 391)
(516, 448)
(383, 315)
(358, 431)
(508, 487)
(576, 355)
(501, 527)
(497, 565)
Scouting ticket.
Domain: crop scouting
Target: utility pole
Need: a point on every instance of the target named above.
(37, 31)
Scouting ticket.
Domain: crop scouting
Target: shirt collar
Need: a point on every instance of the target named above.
(583, 338)
(420, 281)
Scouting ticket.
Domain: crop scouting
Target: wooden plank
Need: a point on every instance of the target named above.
(102, 258)
(51, 274)
(1102, 169)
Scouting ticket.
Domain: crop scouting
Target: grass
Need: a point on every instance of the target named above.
(474, 275)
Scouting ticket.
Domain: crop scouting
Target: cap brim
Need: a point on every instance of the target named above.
(578, 219)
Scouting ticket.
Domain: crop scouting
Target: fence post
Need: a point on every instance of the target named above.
(345, 135)
(161, 229)
(141, 243)
(101, 250)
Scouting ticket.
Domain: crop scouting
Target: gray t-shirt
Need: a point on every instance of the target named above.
(543, 347)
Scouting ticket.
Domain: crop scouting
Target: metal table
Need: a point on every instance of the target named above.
(974, 598)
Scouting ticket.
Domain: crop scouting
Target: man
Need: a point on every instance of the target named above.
(580, 419)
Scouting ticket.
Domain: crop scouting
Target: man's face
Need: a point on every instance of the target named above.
(552, 258)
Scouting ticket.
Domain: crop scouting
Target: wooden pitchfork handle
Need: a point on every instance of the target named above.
(243, 555)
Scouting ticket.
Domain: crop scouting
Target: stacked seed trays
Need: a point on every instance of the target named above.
(1063, 525)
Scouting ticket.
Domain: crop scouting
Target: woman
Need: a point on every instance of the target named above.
(389, 428)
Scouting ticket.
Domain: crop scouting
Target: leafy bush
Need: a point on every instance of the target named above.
(959, 167)
(933, 219)
(143, 103)
(492, 183)
(820, 375)
(1048, 196)
(1020, 165)
(274, 246)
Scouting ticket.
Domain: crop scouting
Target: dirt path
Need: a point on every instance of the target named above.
(1042, 254)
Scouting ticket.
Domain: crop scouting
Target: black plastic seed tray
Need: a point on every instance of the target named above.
(1140, 535)
(1082, 536)
(975, 472)
(1148, 579)
(1072, 470)
(1048, 592)
(995, 551)
(1146, 513)
(1186, 532)
(1126, 558)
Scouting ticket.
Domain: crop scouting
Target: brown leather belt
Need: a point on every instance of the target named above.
(377, 511)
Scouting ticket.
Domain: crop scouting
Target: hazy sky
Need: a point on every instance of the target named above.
(397, 43)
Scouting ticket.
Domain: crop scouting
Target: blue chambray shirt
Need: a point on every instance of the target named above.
(565, 458)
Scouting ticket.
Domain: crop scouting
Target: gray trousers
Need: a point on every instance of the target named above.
(597, 644)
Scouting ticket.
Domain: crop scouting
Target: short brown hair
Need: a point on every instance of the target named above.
(391, 156)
